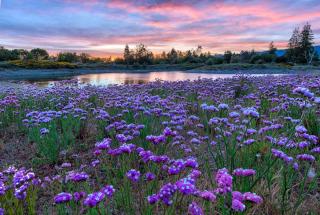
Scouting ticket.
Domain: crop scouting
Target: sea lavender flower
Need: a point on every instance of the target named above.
(122, 138)
(150, 176)
(191, 162)
(252, 197)
(301, 129)
(237, 205)
(10, 170)
(306, 157)
(77, 196)
(223, 106)
(237, 195)
(97, 152)
(127, 148)
(133, 175)
(249, 141)
(2, 188)
(185, 186)
(234, 114)
(65, 165)
(195, 174)
(94, 199)
(2, 211)
(166, 192)
(316, 150)
(224, 181)
(195, 209)
(295, 166)
(44, 131)
(156, 139)
(251, 131)
(108, 191)
(77, 176)
(304, 144)
(317, 100)
(63, 198)
(207, 195)
(95, 163)
(244, 172)
(104, 144)
(304, 91)
(251, 111)
(168, 132)
(213, 143)
(282, 155)
(153, 198)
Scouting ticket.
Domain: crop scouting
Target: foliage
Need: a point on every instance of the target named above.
(41, 64)
(300, 46)
(39, 54)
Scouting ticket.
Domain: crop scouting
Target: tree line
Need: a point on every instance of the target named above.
(38, 54)
(300, 51)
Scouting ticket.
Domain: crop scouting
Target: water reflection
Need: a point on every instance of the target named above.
(105, 79)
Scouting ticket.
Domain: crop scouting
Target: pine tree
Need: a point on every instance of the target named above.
(272, 48)
(127, 55)
(227, 56)
(172, 56)
(293, 46)
(307, 50)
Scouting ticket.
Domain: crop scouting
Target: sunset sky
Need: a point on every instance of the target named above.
(102, 27)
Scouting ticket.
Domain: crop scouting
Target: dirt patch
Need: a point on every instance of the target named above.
(15, 150)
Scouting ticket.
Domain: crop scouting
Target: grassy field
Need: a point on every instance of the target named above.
(245, 145)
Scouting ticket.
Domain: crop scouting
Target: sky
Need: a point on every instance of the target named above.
(103, 27)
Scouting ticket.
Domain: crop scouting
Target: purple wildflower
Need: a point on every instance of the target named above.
(104, 144)
(306, 157)
(316, 150)
(94, 199)
(2, 188)
(65, 165)
(244, 172)
(195, 209)
(150, 176)
(166, 192)
(301, 129)
(224, 181)
(77, 196)
(77, 176)
(252, 197)
(108, 190)
(185, 186)
(62, 198)
(237, 205)
(44, 131)
(207, 195)
(153, 199)
(133, 175)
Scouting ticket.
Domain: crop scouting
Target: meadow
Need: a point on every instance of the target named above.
(243, 145)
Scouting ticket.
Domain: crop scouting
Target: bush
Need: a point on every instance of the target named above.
(210, 61)
(255, 58)
(42, 64)
(218, 60)
(281, 59)
(267, 58)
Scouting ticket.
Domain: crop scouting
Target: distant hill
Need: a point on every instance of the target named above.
(283, 51)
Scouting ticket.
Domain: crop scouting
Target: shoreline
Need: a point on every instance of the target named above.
(56, 74)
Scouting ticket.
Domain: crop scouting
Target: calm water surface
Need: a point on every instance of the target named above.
(104, 79)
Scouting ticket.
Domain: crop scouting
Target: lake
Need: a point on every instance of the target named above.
(104, 79)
